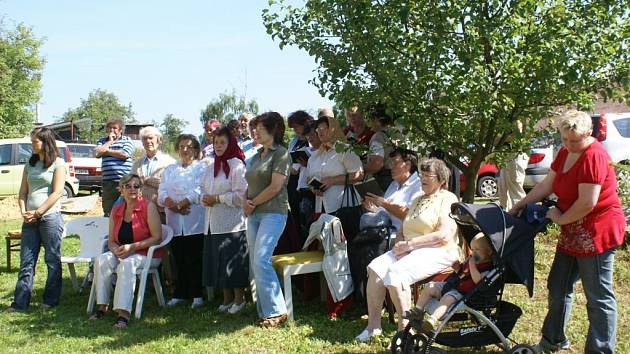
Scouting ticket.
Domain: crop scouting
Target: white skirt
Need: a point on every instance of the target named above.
(417, 265)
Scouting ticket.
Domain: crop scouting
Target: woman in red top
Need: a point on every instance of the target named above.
(134, 226)
(592, 225)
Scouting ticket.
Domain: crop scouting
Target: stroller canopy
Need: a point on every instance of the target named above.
(511, 238)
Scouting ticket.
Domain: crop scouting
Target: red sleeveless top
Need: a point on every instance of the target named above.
(139, 223)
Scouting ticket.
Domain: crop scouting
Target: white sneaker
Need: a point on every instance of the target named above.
(366, 335)
(236, 308)
(225, 308)
(197, 302)
(175, 301)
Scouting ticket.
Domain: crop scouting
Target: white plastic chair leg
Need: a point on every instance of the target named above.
(288, 296)
(92, 299)
(140, 300)
(73, 277)
(157, 284)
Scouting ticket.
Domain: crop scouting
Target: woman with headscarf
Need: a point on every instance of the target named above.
(223, 187)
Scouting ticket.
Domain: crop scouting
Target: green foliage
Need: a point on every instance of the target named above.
(99, 107)
(20, 80)
(459, 74)
(623, 184)
(228, 106)
(171, 128)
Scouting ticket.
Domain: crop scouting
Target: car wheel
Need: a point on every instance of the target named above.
(487, 187)
(67, 192)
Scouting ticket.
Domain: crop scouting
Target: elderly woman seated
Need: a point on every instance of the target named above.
(429, 244)
(404, 188)
(134, 226)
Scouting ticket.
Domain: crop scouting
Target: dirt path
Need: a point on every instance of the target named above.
(9, 209)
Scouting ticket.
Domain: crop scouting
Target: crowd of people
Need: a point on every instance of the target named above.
(231, 200)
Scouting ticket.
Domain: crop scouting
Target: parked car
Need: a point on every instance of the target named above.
(613, 131)
(87, 166)
(487, 184)
(541, 156)
(15, 153)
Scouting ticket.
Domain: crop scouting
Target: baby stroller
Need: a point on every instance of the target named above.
(482, 317)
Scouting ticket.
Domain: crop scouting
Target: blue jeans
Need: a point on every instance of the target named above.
(596, 274)
(263, 232)
(47, 232)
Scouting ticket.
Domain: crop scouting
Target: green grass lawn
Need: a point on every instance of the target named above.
(66, 328)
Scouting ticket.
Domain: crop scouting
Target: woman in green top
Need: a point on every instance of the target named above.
(266, 205)
(42, 186)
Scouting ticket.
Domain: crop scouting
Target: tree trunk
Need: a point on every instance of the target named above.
(470, 175)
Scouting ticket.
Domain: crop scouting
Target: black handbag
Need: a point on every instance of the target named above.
(349, 215)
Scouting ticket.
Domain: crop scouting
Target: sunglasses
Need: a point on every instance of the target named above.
(132, 186)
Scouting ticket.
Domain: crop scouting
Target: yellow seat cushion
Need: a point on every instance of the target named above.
(282, 260)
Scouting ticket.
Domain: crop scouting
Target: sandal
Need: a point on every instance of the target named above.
(272, 322)
(97, 315)
(121, 322)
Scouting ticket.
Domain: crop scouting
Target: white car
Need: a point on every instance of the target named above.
(613, 131)
(87, 166)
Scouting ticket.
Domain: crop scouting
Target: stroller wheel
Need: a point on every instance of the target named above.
(398, 341)
(522, 349)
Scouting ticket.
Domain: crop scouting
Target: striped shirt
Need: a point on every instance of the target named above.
(112, 168)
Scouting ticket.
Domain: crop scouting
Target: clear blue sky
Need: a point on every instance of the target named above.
(162, 56)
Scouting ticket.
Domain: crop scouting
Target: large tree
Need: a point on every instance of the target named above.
(99, 107)
(228, 106)
(171, 128)
(461, 73)
(20, 80)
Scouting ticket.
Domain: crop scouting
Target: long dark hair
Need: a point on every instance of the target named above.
(49, 147)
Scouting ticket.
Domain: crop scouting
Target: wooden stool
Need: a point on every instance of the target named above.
(13, 244)
(290, 264)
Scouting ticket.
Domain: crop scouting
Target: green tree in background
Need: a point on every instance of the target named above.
(228, 106)
(459, 74)
(171, 128)
(99, 107)
(20, 80)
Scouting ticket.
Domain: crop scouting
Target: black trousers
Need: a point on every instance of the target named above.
(187, 251)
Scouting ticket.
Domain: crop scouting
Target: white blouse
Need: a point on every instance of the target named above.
(181, 183)
(226, 216)
(330, 163)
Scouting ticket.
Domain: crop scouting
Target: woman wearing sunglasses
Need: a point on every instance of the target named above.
(134, 226)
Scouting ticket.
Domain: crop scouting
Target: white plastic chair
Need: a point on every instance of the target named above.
(92, 231)
(143, 272)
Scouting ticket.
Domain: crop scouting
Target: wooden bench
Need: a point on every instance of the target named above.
(290, 264)
(13, 244)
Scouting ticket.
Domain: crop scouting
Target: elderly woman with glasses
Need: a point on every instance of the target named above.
(428, 245)
(134, 226)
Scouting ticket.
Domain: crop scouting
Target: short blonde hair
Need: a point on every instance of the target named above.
(577, 121)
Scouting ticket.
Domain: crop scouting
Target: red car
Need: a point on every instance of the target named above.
(487, 183)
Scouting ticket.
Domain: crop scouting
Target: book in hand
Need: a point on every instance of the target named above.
(369, 186)
(299, 154)
(315, 184)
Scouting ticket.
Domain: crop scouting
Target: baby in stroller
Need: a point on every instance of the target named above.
(458, 284)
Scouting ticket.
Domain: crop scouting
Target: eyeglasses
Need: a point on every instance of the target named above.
(427, 176)
(132, 186)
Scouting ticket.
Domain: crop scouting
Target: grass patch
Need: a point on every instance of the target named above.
(66, 328)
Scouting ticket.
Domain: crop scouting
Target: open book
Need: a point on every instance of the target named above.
(368, 186)
(299, 154)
